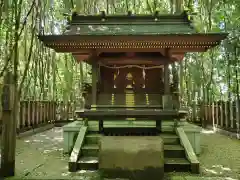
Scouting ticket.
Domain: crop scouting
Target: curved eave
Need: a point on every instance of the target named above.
(73, 43)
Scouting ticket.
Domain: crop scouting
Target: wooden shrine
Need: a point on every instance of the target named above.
(130, 57)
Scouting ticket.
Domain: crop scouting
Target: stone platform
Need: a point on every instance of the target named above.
(132, 157)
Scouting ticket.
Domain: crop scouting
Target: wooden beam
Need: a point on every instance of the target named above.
(136, 60)
(184, 50)
(76, 152)
(169, 38)
(80, 57)
(9, 123)
(132, 62)
(161, 50)
(190, 154)
(120, 114)
(130, 50)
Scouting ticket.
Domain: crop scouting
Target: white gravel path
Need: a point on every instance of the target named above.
(40, 157)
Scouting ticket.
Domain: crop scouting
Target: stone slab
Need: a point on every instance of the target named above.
(193, 133)
(70, 132)
(132, 157)
(73, 126)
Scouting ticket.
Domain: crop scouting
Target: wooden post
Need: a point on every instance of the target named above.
(8, 127)
(31, 102)
(231, 113)
(48, 112)
(28, 119)
(226, 115)
(221, 113)
(167, 98)
(21, 123)
(37, 110)
(54, 112)
(40, 112)
(213, 115)
(217, 114)
(44, 112)
(94, 82)
(30, 113)
(94, 93)
(166, 80)
(238, 116)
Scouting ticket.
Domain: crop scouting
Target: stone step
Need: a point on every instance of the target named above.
(170, 139)
(174, 151)
(170, 164)
(177, 165)
(90, 150)
(92, 138)
(88, 163)
(168, 130)
(130, 131)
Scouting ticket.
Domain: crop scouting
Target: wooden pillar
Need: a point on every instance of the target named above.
(9, 124)
(166, 80)
(94, 82)
(94, 91)
(167, 97)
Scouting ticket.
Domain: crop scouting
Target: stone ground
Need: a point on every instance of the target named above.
(41, 157)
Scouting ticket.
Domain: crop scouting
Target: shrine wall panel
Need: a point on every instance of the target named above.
(136, 79)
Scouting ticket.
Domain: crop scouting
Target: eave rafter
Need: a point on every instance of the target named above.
(186, 41)
(75, 47)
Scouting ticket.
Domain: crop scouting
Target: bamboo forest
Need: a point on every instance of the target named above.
(120, 89)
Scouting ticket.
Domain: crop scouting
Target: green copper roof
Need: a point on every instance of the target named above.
(130, 25)
(151, 29)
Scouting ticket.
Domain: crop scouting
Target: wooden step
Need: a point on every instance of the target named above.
(177, 165)
(88, 163)
(174, 151)
(170, 139)
(92, 138)
(90, 150)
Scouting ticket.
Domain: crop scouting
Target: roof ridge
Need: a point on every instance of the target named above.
(77, 18)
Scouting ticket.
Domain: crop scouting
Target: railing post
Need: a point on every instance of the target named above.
(226, 113)
(21, 124)
(33, 110)
(238, 117)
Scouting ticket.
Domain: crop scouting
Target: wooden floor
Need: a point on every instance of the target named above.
(41, 157)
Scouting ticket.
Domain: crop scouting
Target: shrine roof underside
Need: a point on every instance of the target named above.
(117, 32)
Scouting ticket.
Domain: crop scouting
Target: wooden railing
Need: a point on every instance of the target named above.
(65, 110)
(223, 115)
(33, 114)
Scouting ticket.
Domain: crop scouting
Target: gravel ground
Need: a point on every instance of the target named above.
(40, 157)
